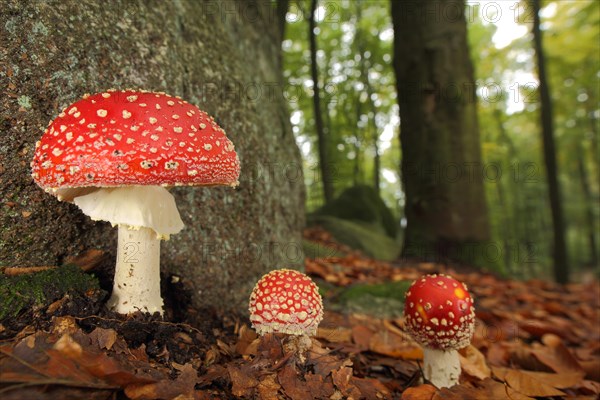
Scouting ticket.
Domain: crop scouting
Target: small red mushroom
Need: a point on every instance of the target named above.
(440, 315)
(112, 154)
(286, 301)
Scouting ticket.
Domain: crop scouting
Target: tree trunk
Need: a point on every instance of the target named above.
(282, 9)
(53, 52)
(588, 204)
(441, 165)
(561, 267)
(322, 139)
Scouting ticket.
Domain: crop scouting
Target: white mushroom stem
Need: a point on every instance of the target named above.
(145, 215)
(441, 367)
(137, 273)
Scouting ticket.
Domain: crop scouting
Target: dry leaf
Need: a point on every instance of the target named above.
(421, 392)
(537, 383)
(473, 363)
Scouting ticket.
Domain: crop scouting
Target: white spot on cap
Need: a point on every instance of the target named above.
(146, 164)
(175, 116)
(130, 140)
(171, 165)
(202, 125)
(207, 146)
(63, 128)
(126, 114)
(153, 150)
(152, 120)
(157, 106)
(77, 114)
(132, 98)
(101, 112)
(57, 152)
(171, 102)
(192, 172)
(177, 129)
(117, 136)
(106, 95)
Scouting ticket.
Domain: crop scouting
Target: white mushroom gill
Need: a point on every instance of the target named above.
(145, 215)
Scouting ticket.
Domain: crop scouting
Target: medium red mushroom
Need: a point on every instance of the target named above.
(287, 302)
(113, 154)
(440, 315)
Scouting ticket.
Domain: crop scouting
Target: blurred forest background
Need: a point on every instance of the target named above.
(536, 128)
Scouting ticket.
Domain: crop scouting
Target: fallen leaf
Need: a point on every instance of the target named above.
(556, 355)
(105, 338)
(268, 388)
(243, 384)
(497, 390)
(180, 388)
(421, 392)
(536, 383)
(292, 386)
(393, 345)
(473, 363)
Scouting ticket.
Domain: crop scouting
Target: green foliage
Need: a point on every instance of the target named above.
(358, 94)
(361, 203)
(317, 250)
(360, 236)
(511, 137)
(40, 289)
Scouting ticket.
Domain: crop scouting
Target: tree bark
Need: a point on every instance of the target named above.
(441, 164)
(561, 266)
(324, 165)
(53, 52)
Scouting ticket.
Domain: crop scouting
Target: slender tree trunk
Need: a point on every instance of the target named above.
(446, 210)
(589, 212)
(561, 267)
(376, 157)
(282, 9)
(322, 139)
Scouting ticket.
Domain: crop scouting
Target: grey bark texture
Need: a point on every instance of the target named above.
(221, 56)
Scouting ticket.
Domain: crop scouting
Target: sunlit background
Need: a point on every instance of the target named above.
(361, 118)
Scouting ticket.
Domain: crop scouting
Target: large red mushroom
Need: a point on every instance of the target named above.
(113, 154)
(440, 315)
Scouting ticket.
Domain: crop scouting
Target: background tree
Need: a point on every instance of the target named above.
(445, 206)
(324, 165)
(53, 53)
(561, 267)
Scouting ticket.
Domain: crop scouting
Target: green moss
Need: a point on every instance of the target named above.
(361, 203)
(39, 289)
(360, 236)
(385, 300)
(25, 102)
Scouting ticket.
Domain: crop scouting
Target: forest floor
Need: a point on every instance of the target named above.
(532, 339)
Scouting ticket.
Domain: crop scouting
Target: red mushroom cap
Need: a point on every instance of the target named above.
(439, 312)
(286, 301)
(131, 137)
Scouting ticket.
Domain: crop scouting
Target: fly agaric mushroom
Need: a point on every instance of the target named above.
(440, 316)
(112, 154)
(286, 301)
